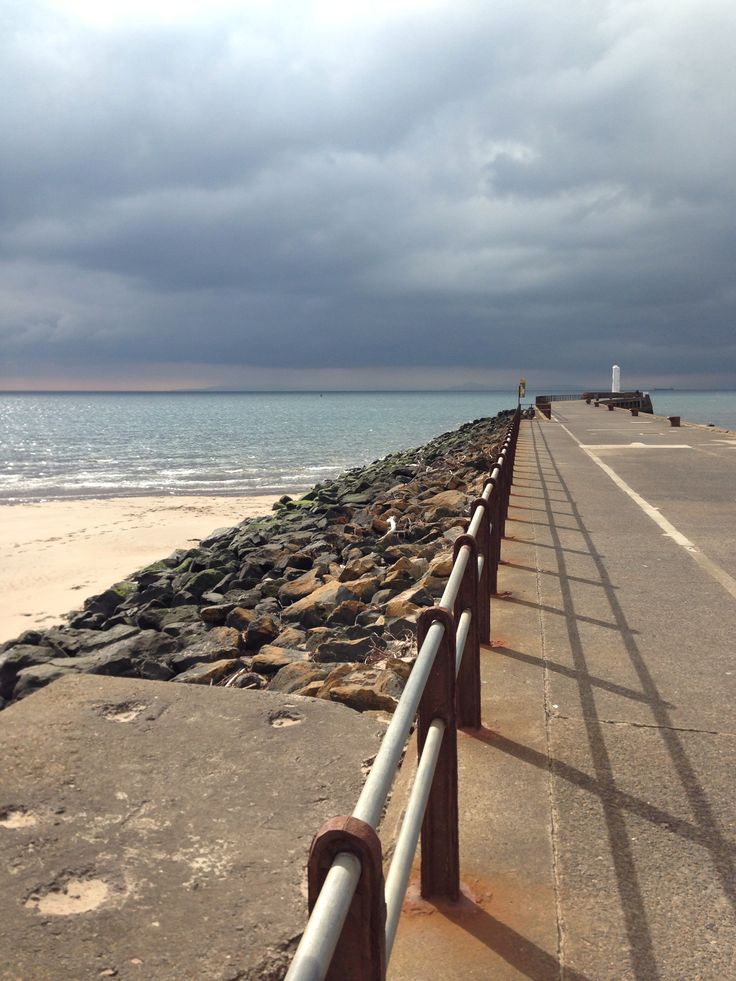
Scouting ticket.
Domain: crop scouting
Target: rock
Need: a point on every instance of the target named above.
(454, 532)
(401, 627)
(207, 673)
(441, 565)
(434, 586)
(297, 589)
(106, 603)
(247, 679)
(271, 659)
(313, 609)
(33, 678)
(299, 560)
(216, 615)
(363, 687)
(244, 598)
(219, 644)
(16, 659)
(261, 631)
(358, 567)
(272, 587)
(155, 670)
(445, 504)
(365, 587)
(405, 570)
(345, 613)
(408, 602)
(198, 583)
(316, 636)
(159, 619)
(240, 618)
(290, 637)
(295, 676)
(337, 649)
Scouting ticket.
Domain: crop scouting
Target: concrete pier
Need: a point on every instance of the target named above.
(155, 831)
(598, 826)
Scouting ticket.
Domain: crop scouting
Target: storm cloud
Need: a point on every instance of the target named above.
(297, 194)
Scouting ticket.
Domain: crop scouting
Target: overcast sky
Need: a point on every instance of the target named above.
(384, 194)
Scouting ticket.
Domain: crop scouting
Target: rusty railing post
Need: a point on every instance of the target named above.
(468, 678)
(484, 581)
(494, 538)
(440, 839)
(361, 950)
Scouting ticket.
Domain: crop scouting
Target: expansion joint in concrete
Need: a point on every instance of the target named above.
(639, 725)
(553, 817)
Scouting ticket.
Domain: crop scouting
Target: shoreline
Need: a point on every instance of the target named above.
(56, 553)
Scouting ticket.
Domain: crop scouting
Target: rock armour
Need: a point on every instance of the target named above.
(319, 599)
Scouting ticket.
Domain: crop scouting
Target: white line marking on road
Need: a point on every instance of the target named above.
(637, 446)
(707, 564)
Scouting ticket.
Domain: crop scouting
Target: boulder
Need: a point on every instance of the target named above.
(445, 504)
(271, 659)
(107, 603)
(365, 587)
(408, 602)
(198, 583)
(207, 673)
(441, 565)
(290, 637)
(216, 615)
(160, 619)
(358, 567)
(220, 643)
(16, 659)
(363, 687)
(292, 678)
(240, 618)
(339, 649)
(313, 609)
(38, 676)
(345, 613)
(297, 589)
(261, 631)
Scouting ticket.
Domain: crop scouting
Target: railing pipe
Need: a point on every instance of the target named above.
(324, 926)
(461, 638)
(456, 577)
(406, 843)
(378, 784)
(440, 872)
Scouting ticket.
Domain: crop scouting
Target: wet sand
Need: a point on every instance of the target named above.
(55, 554)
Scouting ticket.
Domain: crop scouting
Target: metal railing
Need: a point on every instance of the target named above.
(354, 914)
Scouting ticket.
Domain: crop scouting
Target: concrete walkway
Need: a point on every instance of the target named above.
(598, 835)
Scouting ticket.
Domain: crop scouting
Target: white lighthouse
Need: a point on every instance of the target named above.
(616, 379)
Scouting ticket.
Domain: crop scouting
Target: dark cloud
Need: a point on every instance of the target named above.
(495, 188)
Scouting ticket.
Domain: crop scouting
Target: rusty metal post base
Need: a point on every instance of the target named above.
(361, 949)
(440, 840)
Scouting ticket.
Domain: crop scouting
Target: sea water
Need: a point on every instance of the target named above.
(110, 445)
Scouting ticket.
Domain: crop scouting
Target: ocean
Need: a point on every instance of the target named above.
(81, 445)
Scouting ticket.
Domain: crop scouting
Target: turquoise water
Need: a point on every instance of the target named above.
(110, 445)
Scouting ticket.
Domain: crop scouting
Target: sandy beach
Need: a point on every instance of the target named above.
(55, 554)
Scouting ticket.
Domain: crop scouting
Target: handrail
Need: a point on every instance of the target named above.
(353, 914)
